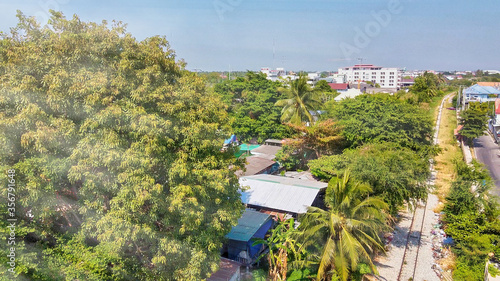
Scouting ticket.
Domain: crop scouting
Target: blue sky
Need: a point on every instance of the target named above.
(305, 35)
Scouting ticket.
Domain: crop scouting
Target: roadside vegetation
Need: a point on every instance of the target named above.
(471, 219)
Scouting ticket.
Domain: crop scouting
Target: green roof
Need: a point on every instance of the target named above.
(248, 147)
(248, 225)
(245, 148)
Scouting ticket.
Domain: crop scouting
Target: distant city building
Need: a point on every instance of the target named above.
(313, 78)
(492, 71)
(273, 74)
(407, 82)
(386, 77)
(414, 73)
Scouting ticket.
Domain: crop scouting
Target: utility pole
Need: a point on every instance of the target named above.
(274, 53)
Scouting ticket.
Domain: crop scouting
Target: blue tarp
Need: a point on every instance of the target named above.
(231, 140)
(448, 241)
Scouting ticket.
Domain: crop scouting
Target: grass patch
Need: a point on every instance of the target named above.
(450, 151)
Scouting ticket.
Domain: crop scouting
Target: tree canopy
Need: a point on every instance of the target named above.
(116, 149)
(250, 102)
(474, 120)
(383, 118)
(427, 86)
(398, 175)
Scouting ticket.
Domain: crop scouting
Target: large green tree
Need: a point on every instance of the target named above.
(116, 151)
(383, 118)
(474, 120)
(398, 175)
(427, 86)
(346, 233)
(300, 100)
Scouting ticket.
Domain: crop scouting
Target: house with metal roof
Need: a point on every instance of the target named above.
(349, 94)
(480, 93)
(251, 225)
(259, 165)
(228, 271)
(339, 86)
(276, 193)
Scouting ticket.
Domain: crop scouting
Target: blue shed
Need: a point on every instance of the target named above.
(251, 225)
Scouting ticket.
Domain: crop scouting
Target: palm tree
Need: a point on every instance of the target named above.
(301, 99)
(347, 232)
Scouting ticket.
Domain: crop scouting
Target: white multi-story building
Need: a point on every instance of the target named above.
(386, 77)
(273, 74)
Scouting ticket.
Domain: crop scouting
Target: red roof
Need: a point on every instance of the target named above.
(339, 86)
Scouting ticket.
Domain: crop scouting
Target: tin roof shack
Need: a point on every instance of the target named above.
(251, 225)
(258, 165)
(282, 194)
(228, 271)
(261, 159)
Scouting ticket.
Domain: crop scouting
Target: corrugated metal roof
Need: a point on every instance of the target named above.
(248, 224)
(270, 150)
(339, 86)
(280, 193)
(484, 90)
(351, 93)
(255, 164)
(227, 270)
(491, 84)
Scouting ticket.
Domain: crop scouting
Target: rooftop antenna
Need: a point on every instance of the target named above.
(360, 60)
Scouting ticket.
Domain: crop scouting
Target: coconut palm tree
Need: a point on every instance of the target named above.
(301, 99)
(347, 232)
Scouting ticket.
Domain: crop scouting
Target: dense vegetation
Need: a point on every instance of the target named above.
(474, 120)
(383, 118)
(471, 219)
(381, 166)
(116, 149)
(250, 102)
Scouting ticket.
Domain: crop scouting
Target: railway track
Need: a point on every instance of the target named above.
(413, 240)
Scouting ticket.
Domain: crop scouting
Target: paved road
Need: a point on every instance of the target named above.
(487, 153)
